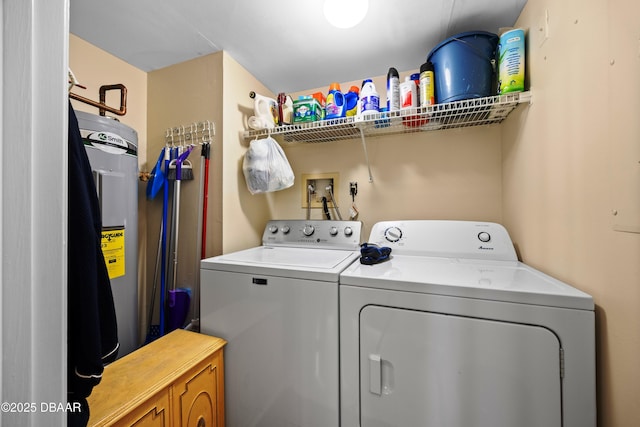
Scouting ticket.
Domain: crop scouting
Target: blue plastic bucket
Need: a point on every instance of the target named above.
(464, 66)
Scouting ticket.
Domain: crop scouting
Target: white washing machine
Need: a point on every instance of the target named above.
(277, 306)
(453, 331)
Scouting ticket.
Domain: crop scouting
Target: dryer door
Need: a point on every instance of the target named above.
(435, 370)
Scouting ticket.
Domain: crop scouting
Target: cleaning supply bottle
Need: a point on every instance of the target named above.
(351, 101)
(265, 109)
(393, 90)
(285, 109)
(427, 85)
(408, 94)
(335, 102)
(416, 79)
(369, 99)
(322, 101)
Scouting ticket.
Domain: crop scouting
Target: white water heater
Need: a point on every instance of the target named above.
(112, 148)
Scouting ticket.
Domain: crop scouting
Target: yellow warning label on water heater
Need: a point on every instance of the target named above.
(113, 251)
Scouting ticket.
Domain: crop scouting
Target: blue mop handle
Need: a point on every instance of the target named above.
(165, 213)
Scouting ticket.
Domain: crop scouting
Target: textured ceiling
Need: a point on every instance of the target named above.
(286, 44)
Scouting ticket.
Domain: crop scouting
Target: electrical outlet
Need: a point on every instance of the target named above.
(322, 185)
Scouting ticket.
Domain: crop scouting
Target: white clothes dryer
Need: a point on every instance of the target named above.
(277, 307)
(454, 331)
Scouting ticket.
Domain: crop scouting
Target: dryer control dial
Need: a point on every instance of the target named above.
(484, 237)
(393, 234)
(348, 231)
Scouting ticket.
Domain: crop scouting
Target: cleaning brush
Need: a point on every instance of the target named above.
(186, 174)
(187, 170)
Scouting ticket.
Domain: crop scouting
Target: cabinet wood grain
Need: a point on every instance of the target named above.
(177, 380)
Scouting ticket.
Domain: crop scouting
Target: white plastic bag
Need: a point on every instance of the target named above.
(266, 167)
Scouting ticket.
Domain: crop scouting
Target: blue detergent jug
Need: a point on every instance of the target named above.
(351, 101)
(335, 103)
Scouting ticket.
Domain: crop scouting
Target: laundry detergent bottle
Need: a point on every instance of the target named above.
(369, 99)
(285, 109)
(351, 101)
(265, 109)
(335, 103)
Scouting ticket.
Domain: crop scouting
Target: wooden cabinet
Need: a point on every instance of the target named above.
(151, 413)
(177, 380)
(198, 396)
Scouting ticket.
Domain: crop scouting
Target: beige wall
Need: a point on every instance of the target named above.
(244, 215)
(452, 174)
(180, 95)
(213, 87)
(561, 176)
(94, 67)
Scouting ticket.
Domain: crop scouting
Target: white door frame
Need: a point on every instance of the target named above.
(33, 208)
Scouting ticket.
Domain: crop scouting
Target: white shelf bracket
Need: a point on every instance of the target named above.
(366, 154)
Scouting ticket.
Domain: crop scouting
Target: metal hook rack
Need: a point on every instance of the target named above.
(196, 133)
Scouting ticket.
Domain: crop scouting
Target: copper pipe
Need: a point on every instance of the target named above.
(101, 105)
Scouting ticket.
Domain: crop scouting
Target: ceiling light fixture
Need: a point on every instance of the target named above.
(345, 13)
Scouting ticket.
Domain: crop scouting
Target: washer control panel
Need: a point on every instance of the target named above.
(313, 233)
(453, 239)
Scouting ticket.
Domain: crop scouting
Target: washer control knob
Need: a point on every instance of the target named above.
(285, 229)
(484, 237)
(273, 229)
(308, 230)
(348, 231)
(333, 231)
(393, 234)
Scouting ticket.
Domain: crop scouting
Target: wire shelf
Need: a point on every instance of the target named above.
(470, 112)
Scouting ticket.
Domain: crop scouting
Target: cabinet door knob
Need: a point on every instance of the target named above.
(201, 422)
